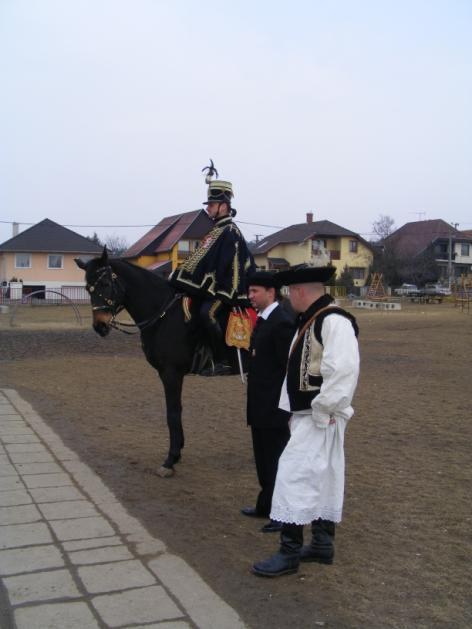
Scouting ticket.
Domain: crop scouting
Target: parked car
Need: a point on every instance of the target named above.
(406, 289)
(436, 289)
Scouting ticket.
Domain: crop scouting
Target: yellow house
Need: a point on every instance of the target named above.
(322, 242)
(170, 242)
(41, 259)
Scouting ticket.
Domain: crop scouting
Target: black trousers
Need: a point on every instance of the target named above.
(268, 444)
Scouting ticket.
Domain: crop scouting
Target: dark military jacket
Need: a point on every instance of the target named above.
(219, 267)
(270, 343)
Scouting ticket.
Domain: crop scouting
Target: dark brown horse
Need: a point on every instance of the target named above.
(168, 342)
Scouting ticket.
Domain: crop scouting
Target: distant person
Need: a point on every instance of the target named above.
(216, 273)
(270, 342)
(322, 372)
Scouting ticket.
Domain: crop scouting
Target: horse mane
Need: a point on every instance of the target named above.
(138, 271)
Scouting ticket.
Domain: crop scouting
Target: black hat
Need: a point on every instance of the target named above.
(219, 191)
(304, 274)
(263, 278)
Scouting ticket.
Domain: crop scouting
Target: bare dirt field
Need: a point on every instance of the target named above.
(403, 551)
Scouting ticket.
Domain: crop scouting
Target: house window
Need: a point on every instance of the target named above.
(184, 249)
(55, 261)
(23, 261)
(358, 272)
(465, 248)
(317, 246)
(353, 246)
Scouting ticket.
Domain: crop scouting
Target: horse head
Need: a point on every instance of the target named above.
(105, 290)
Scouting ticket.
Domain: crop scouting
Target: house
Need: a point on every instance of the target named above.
(170, 242)
(451, 248)
(322, 242)
(41, 258)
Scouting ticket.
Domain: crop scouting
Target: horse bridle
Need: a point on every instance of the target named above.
(115, 308)
(110, 303)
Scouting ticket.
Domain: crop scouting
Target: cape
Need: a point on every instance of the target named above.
(219, 267)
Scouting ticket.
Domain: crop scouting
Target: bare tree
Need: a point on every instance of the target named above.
(116, 245)
(383, 226)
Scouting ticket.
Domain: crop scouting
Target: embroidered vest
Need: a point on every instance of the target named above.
(304, 379)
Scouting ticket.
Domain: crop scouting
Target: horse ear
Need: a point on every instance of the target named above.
(104, 258)
(80, 263)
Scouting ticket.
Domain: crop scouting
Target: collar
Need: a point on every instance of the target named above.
(224, 220)
(268, 311)
(321, 302)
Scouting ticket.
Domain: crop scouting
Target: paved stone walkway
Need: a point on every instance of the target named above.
(71, 557)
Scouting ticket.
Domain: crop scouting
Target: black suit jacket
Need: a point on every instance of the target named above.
(270, 344)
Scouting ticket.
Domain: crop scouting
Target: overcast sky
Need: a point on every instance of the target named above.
(349, 109)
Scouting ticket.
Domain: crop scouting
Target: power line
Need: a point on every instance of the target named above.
(154, 224)
(88, 226)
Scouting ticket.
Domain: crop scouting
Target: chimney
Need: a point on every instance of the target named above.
(15, 229)
(309, 217)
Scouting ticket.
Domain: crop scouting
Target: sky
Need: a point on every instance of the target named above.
(348, 109)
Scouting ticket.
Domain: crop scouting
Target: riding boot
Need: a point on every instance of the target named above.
(287, 560)
(216, 341)
(321, 548)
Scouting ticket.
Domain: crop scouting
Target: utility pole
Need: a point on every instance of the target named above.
(449, 262)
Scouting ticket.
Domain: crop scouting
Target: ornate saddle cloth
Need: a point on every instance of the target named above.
(239, 328)
(241, 322)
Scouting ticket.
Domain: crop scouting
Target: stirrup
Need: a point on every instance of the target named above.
(217, 369)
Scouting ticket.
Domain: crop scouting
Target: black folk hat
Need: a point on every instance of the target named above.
(263, 278)
(304, 274)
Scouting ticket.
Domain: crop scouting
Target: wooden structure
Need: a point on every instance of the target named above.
(376, 290)
(462, 291)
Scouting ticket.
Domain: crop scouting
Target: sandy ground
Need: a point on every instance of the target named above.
(403, 550)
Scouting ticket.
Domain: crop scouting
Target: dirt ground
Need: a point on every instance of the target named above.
(403, 550)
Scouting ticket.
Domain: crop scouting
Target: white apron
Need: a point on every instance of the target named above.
(310, 476)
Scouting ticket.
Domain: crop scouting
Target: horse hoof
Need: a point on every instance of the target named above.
(165, 472)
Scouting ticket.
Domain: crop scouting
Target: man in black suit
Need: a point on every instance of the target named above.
(270, 344)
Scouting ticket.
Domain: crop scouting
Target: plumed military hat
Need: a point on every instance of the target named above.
(219, 191)
(305, 274)
(263, 278)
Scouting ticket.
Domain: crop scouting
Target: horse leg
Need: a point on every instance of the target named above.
(172, 381)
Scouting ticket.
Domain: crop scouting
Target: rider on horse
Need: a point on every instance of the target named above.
(215, 275)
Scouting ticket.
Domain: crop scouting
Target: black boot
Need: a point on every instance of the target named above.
(215, 338)
(287, 560)
(321, 548)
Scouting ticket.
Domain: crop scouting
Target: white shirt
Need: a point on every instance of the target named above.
(267, 311)
(339, 368)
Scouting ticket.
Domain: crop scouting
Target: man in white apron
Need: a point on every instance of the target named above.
(322, 372)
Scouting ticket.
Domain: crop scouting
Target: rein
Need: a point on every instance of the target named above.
(143, 325)
(116, 308)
